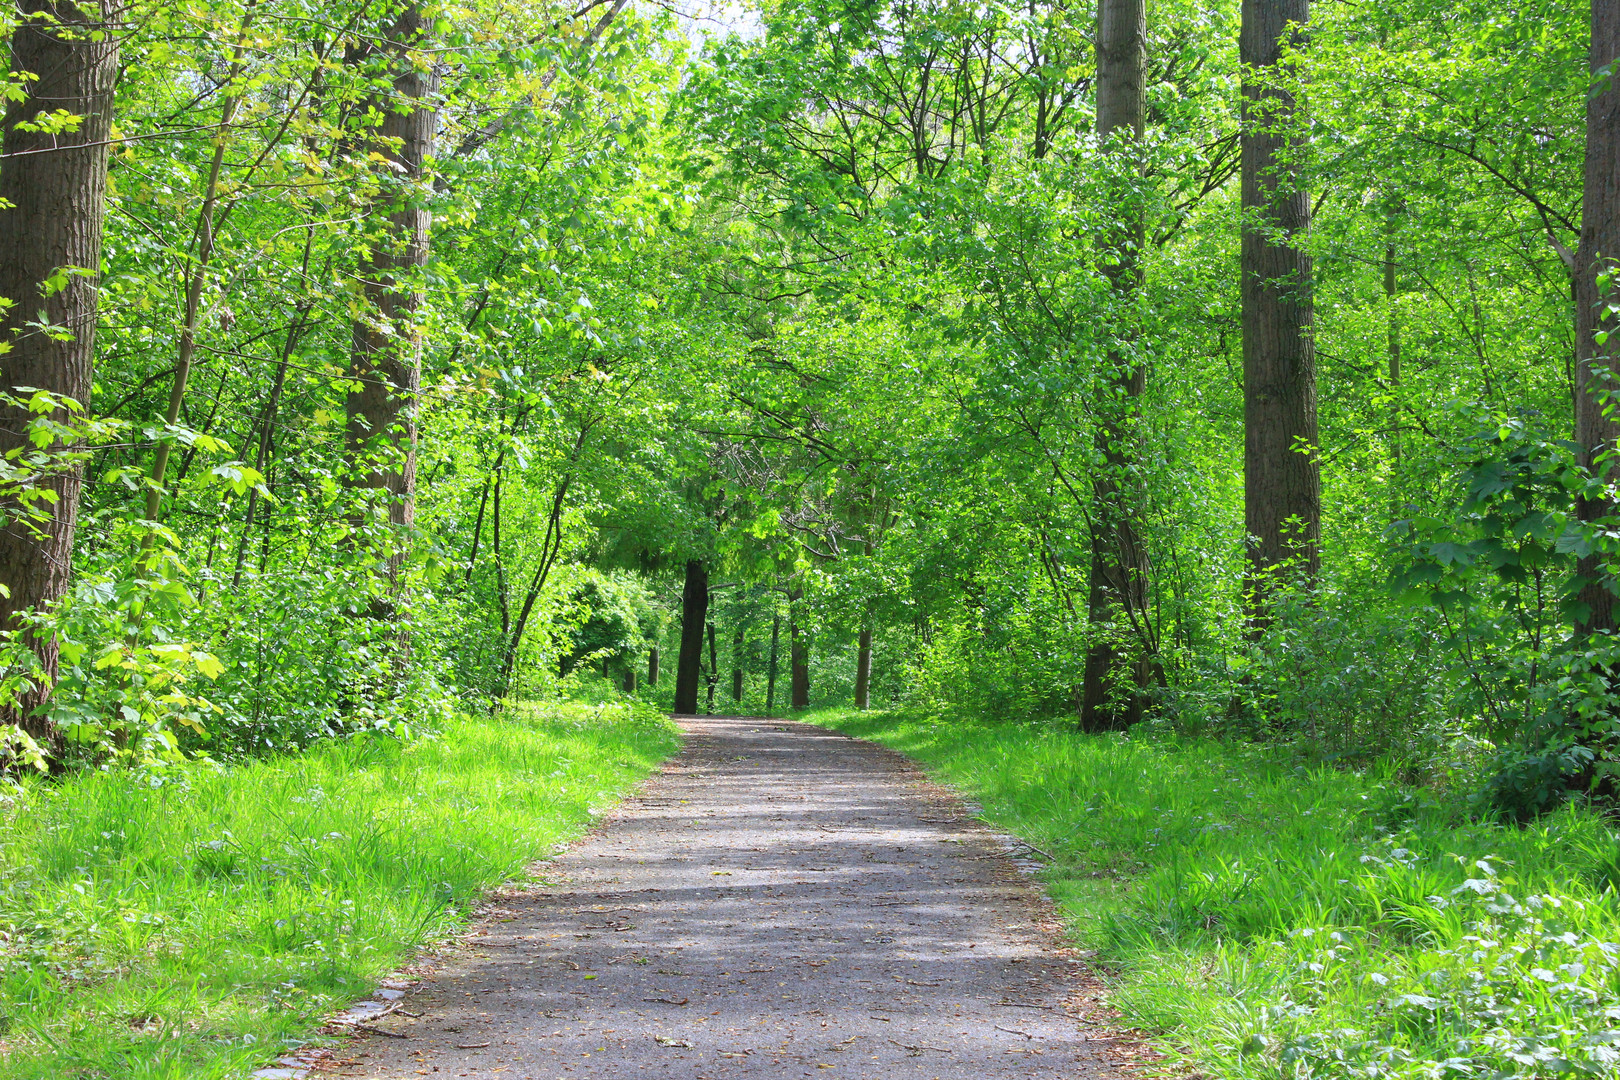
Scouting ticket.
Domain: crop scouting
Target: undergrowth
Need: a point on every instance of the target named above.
(1266, 919)
(196, 929)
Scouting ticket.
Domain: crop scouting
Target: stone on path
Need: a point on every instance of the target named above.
(780, 901)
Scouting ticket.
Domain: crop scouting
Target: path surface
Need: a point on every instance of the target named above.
(780, 901)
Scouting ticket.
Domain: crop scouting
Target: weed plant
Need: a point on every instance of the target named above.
(196, 929)
(1267, 918)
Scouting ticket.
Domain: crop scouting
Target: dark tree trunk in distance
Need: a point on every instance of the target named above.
(799, 665)
(56, 187)
(863, 667)
(1117, 588)
(1281, 478)
(714, 668)
(771, 666)
(694, 616)
(385, 359)
(629, 678)
(737, 643)
(1598, 374)
(652, 666)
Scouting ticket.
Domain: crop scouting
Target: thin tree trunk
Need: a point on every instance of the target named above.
(196, 280)
(863, 667)
(629, 678)
(1119, 567)
(52, 200)
(550, 548)
(714, 669)
(266, 424)
(1282, 479)
(652, 666)
(694, 616)
(738, 642)
(771, 668)
(1597, 376)
(798, 664)
(385, 361)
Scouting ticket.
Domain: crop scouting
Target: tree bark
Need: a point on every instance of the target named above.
(798, 665)
(694, 616)
(771, 668)
(385, 359)
(737, 644)
(714, 669)
(629, 678)
(1282, 479)
(54, 186)
(863, 667)
(652, 666)
(1117, 588)
(1597, 376)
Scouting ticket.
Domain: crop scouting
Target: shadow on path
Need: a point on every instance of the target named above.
(780, 901)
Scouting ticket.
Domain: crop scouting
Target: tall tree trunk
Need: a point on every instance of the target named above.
(737, 643)
(1117, 591)
(1597, 376)
(385, 360)
(53, 187)
(771, 667)
(863, 666)
(1282, 480)
(694, 617)
(652, 666)
(629, 678)
(798, 664)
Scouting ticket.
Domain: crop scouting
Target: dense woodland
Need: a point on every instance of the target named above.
(1186, 428)
(1219, 367)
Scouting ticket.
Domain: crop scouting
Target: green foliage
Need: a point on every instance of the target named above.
(194, 927)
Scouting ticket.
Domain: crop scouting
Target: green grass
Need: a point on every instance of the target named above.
(1267, 919)
(197, 930)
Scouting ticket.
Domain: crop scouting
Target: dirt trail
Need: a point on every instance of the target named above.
(780, 901)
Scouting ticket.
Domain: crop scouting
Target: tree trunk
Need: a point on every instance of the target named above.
(694, 616)
(770, 667)
(197, 279)
(652, 666)
(385, 361)
(863, 667)
(714, 669)
(737, 644)
(1597, 376)
(53, 188)
(1282, 480)
(1117, 590)
(629, 678)
(798, 665)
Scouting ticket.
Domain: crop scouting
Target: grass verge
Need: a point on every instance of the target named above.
(196, 930)
(1266, 919)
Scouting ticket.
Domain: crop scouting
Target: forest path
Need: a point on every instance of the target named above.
(779, 901)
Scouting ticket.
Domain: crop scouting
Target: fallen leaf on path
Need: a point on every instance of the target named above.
(667, 1001)
(665, 1040)
(471, 1046)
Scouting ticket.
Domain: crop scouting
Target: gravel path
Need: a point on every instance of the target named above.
(780, 901)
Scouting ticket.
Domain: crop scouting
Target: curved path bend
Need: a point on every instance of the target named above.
(779, 901)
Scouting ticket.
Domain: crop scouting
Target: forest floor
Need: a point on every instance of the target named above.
(779, 901)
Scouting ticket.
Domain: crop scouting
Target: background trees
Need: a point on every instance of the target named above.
(1105, 364)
